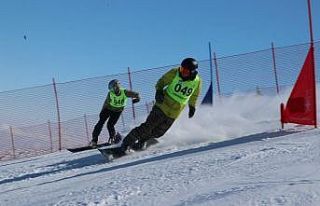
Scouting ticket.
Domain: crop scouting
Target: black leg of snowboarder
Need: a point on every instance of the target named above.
(104, 115)
(155, 126)
(113, 119)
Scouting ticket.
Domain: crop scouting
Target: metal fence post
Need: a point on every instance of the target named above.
(130, 84)
(86, 127)
(275, 67)
(313, 62)
(50, 136)
(217, 73)
(58, 112)
(123, 122)
(12, 143)
(147, 106)
(211, 75)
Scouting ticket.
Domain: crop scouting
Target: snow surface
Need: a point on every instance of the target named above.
(230, 154)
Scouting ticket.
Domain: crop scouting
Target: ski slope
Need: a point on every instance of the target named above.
(229, 154)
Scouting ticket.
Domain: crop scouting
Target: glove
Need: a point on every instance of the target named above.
(136, 100)
(192, 110)
(159, 96)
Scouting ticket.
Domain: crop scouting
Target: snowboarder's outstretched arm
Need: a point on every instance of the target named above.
(134, 95)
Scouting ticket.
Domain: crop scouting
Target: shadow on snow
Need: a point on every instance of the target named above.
(59, 167)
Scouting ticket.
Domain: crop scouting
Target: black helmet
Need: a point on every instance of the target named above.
(113, 83)
(190, 63)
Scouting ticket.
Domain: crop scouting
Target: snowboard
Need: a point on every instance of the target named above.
(112, 151)
(118, 138)
(84, 148)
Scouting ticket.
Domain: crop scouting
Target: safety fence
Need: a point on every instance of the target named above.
(45, 119)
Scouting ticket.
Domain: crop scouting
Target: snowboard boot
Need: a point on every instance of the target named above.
(93, 144)
(116, 139)
(144, 144)
(139, 146)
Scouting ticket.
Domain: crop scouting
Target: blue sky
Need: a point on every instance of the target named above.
(76, 39)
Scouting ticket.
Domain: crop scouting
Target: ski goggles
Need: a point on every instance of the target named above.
(185, 72)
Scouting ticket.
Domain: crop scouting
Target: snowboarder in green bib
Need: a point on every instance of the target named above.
(112, 108)
(174, 90)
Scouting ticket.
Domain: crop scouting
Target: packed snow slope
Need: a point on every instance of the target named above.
(230, 154)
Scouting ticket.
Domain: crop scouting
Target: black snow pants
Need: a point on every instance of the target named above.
(156, 125)
(104, 115)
